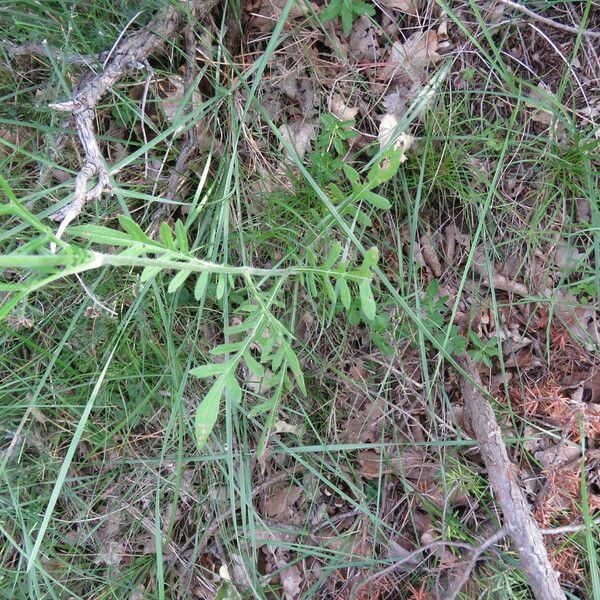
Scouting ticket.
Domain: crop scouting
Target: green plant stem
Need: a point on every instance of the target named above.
(97, 260)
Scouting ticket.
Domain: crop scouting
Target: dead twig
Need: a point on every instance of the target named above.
(550, 22)
(131, 52)
(414, 554)
(567, 529)
(189, 147)
(475, 556)
(518, 519)
(43, 49)
(494, 539)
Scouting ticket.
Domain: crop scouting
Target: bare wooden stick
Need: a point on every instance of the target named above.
(550, 22)
(503, 479)
(43, 49)
(131, 52)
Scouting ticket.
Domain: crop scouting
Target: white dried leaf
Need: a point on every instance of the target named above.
(387, 129)
(224, 573)
(283, 427)
(404, 141)
(299, 134)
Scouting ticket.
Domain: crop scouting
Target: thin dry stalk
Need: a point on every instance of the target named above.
(475, 556)
(550, 22)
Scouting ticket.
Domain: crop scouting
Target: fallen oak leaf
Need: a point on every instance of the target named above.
(299, 135)
(291, 580)
(363, 43)
(341, 109)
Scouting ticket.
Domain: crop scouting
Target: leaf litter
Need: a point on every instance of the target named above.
(393, 54)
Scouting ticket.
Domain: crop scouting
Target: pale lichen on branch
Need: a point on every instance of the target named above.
(131, 52)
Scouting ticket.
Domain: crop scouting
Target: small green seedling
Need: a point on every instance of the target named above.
(347, 11)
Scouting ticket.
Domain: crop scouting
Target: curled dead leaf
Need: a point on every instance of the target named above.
(430, 255)
(405, 6)
(291, 580)
(341, 109)
(265, 14)
(387, 131)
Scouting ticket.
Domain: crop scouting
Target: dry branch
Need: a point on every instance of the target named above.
(131, 52)
(550, 22)
(518, 519)
(43, 49)
(475, 555)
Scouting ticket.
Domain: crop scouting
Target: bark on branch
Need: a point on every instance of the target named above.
(131, 52)
(503, 479)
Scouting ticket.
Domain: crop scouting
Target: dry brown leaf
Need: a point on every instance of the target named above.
(558, 455)
(592, 384)
(281, 501)
(363, 43)
(264, 14)
(573, 316)
(430, 255)
(16, 322)
(397, 551)
(583, 210)
(372, 466)
(291, 580)
(299, 89)
(405, 6)
(357, 370)
(299, 135)
(409, 61)
(173, 93)
(499, 282)
(412, 464)
(566, 256)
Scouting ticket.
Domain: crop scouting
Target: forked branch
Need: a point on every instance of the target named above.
(130, 52)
